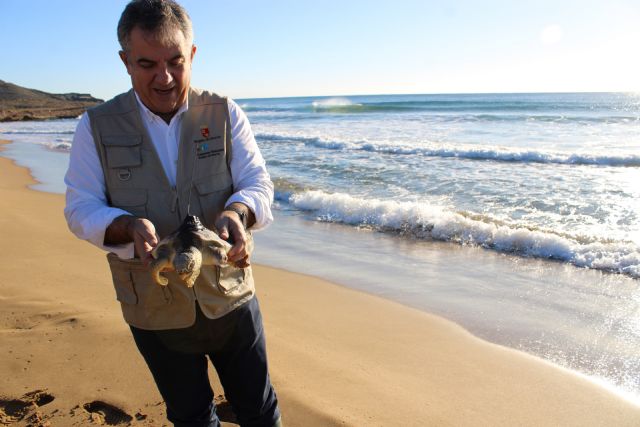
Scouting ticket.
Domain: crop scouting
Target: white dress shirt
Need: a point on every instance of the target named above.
(87, 212)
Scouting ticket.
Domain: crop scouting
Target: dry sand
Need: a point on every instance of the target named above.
(337, 356)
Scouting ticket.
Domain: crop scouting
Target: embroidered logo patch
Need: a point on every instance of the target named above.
(208, 143)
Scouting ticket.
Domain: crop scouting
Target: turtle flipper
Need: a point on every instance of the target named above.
(156, 266)
(162, 259)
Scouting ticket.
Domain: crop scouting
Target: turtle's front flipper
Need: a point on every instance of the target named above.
(156, 267)
(162, 260)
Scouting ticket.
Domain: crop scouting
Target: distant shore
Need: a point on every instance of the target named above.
(18, 103)
(44, 113)
(347, 358)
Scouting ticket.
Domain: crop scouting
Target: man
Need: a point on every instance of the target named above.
(139, 164)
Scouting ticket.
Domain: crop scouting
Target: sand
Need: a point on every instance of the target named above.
(337, 356)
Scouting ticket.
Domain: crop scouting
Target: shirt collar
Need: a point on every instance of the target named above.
(150, 115)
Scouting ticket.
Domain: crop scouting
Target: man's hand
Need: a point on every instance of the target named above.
(144, 238)
(140, 231)
(231, 228)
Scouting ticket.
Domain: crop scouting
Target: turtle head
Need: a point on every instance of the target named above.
(188, 261)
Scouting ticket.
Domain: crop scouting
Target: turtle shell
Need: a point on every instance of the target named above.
(186, 250)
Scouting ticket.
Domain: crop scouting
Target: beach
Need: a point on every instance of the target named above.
(337, 356)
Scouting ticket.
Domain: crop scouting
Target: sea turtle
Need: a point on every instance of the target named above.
(188, 248)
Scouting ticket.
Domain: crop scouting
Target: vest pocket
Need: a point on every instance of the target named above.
(150, 294)
(133, 201)
(134, 285)
(229, 278)
(122, 151)
(123, 284)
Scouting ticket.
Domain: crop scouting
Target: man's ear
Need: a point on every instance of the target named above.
(193, 51)
(123, 58)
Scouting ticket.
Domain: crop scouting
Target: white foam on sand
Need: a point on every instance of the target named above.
(47, 166)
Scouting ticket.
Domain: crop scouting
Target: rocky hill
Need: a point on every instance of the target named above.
(20, 103)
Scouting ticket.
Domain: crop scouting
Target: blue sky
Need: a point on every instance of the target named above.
(264, 48)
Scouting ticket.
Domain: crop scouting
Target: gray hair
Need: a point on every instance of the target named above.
(159, 17)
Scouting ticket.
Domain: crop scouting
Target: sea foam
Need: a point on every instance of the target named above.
(333, 102)
(431, 149)
(426, 221)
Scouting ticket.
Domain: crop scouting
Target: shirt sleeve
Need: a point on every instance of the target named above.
(251, 181)
(86, 210)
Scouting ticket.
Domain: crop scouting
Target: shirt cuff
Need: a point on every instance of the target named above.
(124, 251)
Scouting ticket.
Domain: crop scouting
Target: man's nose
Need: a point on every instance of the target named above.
(164, 77)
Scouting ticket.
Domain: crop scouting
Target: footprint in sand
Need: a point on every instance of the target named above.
(14, 410)
(104, 413)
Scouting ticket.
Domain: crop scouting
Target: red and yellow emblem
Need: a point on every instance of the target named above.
(204, 130)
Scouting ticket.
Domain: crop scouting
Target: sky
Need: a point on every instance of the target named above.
(278, 48)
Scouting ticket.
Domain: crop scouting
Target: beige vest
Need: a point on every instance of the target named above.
(136, 182)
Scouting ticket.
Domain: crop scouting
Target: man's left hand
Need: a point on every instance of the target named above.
(231, 228)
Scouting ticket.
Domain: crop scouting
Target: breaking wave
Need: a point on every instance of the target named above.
(60, 145)
(470, 153)
(424, 221)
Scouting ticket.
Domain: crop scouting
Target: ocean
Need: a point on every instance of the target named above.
(515, 215)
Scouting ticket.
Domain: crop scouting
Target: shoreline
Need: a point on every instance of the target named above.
(336, 265)
(333, 362)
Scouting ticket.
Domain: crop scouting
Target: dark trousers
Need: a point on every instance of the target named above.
(236, 347)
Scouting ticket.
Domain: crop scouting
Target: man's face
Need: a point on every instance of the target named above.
(160, 71)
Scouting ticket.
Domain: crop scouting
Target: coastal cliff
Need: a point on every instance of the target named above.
(19, 103)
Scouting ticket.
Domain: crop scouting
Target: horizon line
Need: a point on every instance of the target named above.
(586, 92)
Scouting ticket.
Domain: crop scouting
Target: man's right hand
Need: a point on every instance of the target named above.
(143, 234)
(140, 231)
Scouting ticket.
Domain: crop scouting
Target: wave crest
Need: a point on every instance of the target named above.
(498, 154)
(333, 102)
(424, 221)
